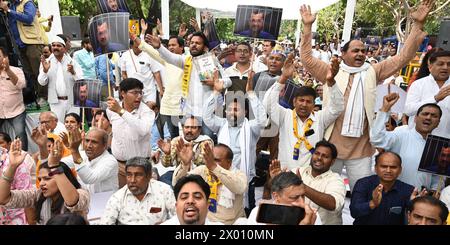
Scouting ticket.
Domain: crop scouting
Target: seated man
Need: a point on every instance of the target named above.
(324, 189)
(95, 166)
(51, 123)
(427, 210)
(288, 189)
(381, 199)
(257, 26)
(143, 201)
(191, 134)
(227, 184)
(192, 193)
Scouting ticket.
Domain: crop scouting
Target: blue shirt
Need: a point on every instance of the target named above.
(26, 17)
(155, 136)
(87, 62)
(392, 208)
(100, 67)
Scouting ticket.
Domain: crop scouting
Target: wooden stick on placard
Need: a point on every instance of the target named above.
(107, 75)
(83, 118)
(440, 183)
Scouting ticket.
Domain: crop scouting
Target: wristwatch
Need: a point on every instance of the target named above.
(121, 112)
(58, 170)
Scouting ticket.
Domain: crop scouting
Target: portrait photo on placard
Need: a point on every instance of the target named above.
(258, 22)
(86, 93)
(436, 156)
(108, 6)
(109, 33)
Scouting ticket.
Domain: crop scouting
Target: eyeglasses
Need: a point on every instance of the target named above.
(136, 92)
(191, 127)
(46, 122)
(242, 51)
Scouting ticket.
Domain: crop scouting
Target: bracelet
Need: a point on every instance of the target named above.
(8, 179)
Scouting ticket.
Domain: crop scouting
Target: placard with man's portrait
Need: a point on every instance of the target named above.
(258, 22)
(436, 156)
(108, 6)
(86, 93)
(109, 33)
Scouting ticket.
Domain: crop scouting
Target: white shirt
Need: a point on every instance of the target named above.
(258, 65)
(445, 196)
(157, 206)
(329, 183)
(99, 174)
(421, 92)
(131, 132)
(142, 67)
(282, 117)
(53, 78)
(59, 128)
(198, 91)
(175, 221)
(406, 142)
(60, 86)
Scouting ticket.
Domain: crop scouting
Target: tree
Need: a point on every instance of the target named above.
(395, 14)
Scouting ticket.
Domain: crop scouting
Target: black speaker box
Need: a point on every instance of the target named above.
(71, 27)
(443, 40)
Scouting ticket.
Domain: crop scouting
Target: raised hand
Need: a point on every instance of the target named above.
(193, 23)
(55, 155)
(16, 157)
(389, 101)
(65, 139)
(421, 12)
(45, 64)
(377, 195)
(443, 93)
(153, 40)
(113, 105)
(159, 27)
(208, 157)
(182, 30)
(164, 146)
(416, 193)
(70, 68)
(75, 139)
(288, 69)
(39, 135)
(185, 152)
(215, 82)
(333, 69)
(274, 168)
(144, 26)
(307, 17)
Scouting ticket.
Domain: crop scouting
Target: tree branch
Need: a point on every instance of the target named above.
(441, 7)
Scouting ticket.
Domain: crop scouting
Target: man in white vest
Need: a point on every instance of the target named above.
(357, 80)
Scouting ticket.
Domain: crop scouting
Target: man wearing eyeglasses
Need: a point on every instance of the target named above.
(131, 122)
(240, 70)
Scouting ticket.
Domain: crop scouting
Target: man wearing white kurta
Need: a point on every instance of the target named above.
(434, 88)
(409, 143)
(306, 120)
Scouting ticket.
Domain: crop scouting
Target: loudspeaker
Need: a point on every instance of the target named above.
(71, 27)
(443, 40)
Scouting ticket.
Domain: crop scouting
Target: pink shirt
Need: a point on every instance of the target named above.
(11, 99)
(22, 181)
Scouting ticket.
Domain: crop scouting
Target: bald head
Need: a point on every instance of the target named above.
(95, 143)
(49, 120)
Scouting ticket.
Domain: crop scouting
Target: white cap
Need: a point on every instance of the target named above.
(57, 39)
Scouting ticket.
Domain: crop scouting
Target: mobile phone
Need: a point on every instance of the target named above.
(269, 213)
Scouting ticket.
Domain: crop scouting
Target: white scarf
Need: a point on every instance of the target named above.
(354, 112)
(244, 142)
